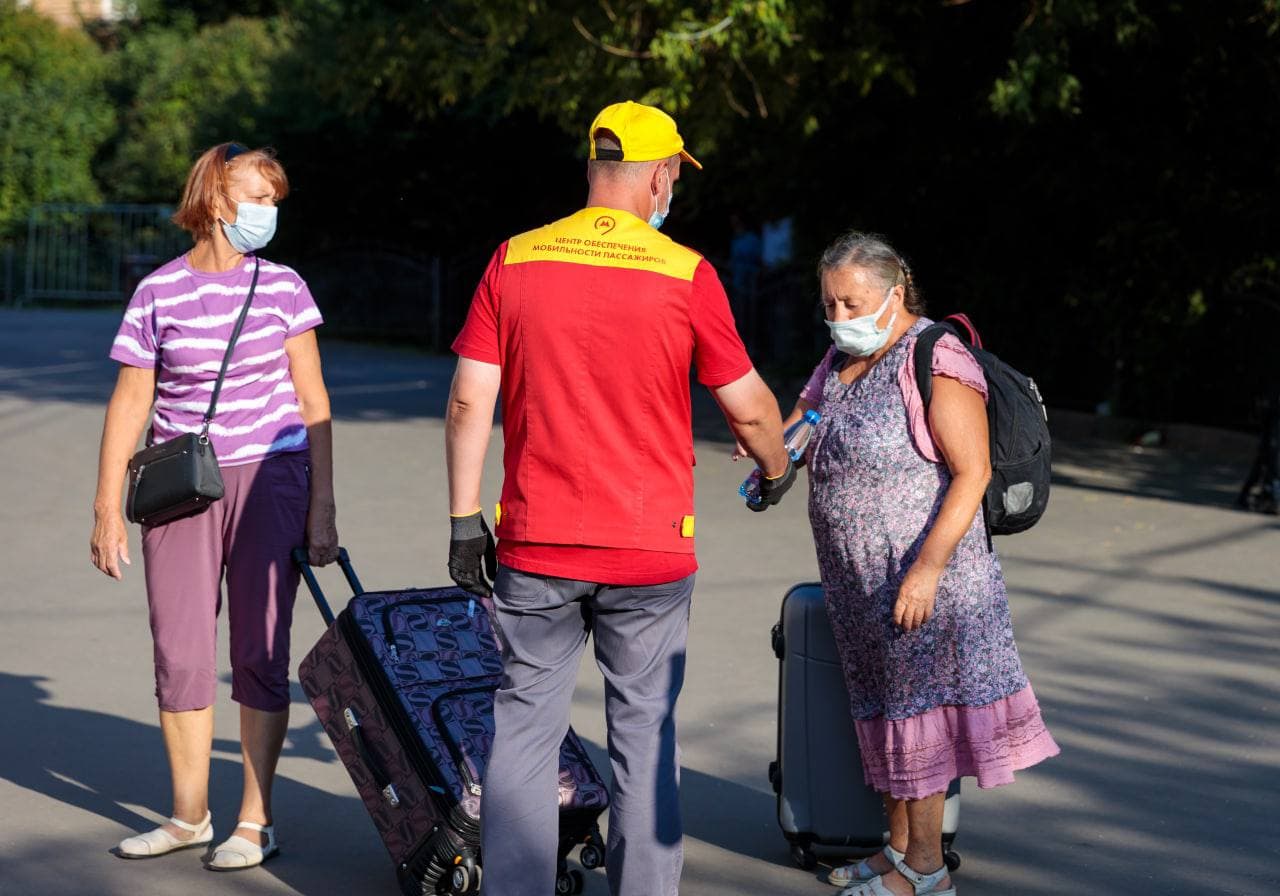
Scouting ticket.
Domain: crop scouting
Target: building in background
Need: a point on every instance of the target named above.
(74, 13)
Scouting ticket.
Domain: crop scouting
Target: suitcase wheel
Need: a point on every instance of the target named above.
(777, 642)
(952, 858)
(803, 856)
(569, 883)
(464, 879)
(591, 856)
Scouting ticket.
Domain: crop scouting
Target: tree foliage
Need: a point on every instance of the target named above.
(53, 115)
(1092, 179)
(1089, 177)
(709, 63)
(182, 89)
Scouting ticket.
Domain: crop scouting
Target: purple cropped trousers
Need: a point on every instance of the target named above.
(248, 535)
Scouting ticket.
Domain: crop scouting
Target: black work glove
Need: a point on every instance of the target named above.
(471, 542)
(772, 490)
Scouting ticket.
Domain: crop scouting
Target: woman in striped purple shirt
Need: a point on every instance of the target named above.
(272, 436)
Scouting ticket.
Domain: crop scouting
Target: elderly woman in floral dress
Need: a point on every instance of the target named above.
(914, 592)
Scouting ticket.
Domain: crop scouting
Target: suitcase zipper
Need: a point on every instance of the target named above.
(388, 633)
(387, 698)
(400, 720)
(473, 786)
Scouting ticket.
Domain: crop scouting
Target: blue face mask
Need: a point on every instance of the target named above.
(254, 227)
(658, 216)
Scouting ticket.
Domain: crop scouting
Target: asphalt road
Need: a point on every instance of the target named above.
(1147, 612)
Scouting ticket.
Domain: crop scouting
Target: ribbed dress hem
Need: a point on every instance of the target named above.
(917, 757)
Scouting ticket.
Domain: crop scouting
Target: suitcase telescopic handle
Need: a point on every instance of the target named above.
(313, 585)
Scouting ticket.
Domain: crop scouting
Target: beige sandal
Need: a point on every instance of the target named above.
(160, 842)
(237, 853)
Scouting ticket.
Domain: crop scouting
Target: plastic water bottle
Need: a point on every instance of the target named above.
(796, 439)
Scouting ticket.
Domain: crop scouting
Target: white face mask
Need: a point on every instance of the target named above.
(861, 337)
(660, 214)
(254, 227)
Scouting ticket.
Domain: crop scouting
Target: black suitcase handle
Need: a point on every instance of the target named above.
(313, 585)
(380, 778)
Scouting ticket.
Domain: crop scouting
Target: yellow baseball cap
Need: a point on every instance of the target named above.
(646, 133)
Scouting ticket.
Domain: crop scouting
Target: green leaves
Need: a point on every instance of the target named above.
(179, 93)
(560, 60)
(54, 113)
(1036, 83)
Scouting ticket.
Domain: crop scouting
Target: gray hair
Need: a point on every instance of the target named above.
(872, 253)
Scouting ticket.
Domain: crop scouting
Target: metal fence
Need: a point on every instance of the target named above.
(95, 252)
(378, 293)
(8, 274)
(779, 317)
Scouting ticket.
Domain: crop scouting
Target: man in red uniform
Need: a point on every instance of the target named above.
(588, 327)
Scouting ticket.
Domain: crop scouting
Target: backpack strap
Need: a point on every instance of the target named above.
(922, 360)
(964, 328)
(922, 356)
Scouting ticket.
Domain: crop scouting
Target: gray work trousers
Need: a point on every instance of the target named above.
(640, 634)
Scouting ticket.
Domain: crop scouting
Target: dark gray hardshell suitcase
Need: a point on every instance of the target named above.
(823, 798)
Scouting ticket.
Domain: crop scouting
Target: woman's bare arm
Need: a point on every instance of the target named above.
(126, 416)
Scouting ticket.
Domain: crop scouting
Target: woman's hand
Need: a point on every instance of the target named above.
(916, 598)
(109, 544)
(126, 416)
(739, 452)
(322, 533)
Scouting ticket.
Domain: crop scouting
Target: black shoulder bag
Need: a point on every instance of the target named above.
(181, 476)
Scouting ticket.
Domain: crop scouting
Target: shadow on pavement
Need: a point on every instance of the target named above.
(1163, 721)
(1190, 477)
(102, 763)
(725, 814)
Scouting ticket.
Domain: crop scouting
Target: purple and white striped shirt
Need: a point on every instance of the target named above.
(184, 318)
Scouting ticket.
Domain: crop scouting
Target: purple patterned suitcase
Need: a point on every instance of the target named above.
(403, 683)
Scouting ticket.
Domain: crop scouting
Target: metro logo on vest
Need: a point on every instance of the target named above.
(631, 244)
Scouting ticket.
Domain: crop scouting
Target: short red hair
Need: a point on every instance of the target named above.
(208, 180)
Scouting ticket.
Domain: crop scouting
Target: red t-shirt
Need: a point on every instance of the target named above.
(595, 320)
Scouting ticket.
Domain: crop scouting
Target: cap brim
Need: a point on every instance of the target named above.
(684, 154)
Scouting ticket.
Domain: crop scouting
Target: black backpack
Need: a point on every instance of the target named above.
(1018, 424)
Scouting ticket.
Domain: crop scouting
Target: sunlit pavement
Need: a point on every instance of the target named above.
(1146, 610)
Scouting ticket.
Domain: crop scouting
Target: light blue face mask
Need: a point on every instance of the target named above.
(656, 219)
(861, 337)
(254, 227)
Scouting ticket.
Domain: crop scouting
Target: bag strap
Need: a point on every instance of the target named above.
(226, 358)
(965, 329)
(922, 361)
(922, 356)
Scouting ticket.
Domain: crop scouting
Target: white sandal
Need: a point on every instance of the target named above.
(160, 842)
(860, 872)
(871, 887)
(925, 884)
(922, 884)
(236, 853)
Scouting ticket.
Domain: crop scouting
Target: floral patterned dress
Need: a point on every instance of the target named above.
(950, 698)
